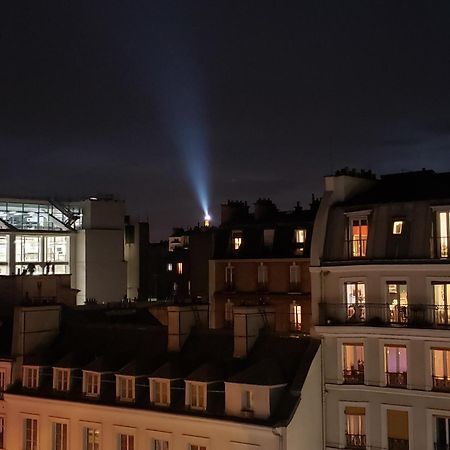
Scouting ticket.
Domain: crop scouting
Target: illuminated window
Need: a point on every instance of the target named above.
(91, 384)
(397, 227)
(358, 233)
(395, 363)
(159, 444)
(60, 436)
(61, 379)
(236, 238)
(300, 236)
(91, 438)
(355, 429)
(57, 248)
(353, 363)
(30, 377)
(180, 268)
(397, 297)
(4, 255)
(247, 400)
(441, 294)
(441, 369)
(169, 267)
(126, 442)
(197, 397)
(28, 249)
(160, 392)
(355, 297)
(443, 233)
(125, 388)
(30, 434)
(296, 316)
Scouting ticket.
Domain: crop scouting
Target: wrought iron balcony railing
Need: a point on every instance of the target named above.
(396, 379)
(439, 446)
(441, 384)
(382, 314)
(352, 376)
(398, 444)
(355, 440)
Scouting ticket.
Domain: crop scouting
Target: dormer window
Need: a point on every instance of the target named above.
(61, 379)
(397, 227)
(30, 377)
(91, 384)
(197, 395)
(300, 236)
(358, 231)
(160, 392)
(179, 268)
(125, 388)
(236, 239)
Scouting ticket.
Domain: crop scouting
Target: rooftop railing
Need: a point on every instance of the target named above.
(382, 314)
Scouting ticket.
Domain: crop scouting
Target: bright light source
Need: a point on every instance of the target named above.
(207, 220)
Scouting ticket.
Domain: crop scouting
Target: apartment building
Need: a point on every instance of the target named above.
(116, 379)
(262, 257)
(380, 277)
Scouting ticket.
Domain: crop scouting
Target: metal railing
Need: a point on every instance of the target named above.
(355, 440)
(441, 384)
(438, 446)
(382, 314)
(396, 379)
(398, 444)
(352, 376)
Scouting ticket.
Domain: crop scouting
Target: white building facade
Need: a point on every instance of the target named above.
(380, 282)
(84, 239)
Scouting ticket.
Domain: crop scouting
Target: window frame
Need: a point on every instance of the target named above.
(88, 385)
(159, 382)
(197, 395)
(33, 443)
(64, 423)
(31, 376)
(127, 379)
(61, 379)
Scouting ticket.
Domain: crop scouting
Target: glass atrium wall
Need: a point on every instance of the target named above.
(46, 254)
(36, 216)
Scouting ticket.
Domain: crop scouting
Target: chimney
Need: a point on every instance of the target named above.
(248, 322)
(181, 319)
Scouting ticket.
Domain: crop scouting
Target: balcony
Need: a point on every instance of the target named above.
(396, 379)
(355, 441)
(398, 444)
(353, 376)
(441, 446)
(382, 314)
(441, 384)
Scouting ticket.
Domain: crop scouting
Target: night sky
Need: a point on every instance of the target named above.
(163, 102)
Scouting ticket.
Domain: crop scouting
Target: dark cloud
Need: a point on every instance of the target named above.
(98, 96)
